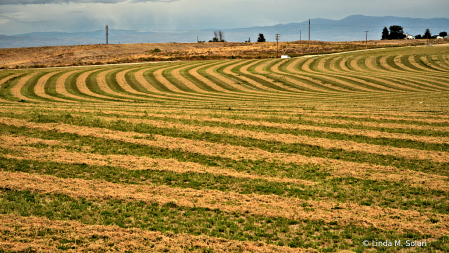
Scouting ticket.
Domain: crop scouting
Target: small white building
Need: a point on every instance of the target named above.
(285, 56)
(439, 38)
(409, 36)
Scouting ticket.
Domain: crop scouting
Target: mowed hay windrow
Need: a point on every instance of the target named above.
(315, 153)
(257, 204)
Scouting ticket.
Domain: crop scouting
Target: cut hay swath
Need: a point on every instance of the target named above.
(321, 153)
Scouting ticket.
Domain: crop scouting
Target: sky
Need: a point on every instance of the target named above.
(24, 16)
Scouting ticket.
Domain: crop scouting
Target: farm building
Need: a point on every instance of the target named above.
(409, 36)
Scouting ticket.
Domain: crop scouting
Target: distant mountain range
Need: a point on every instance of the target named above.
(351, 28)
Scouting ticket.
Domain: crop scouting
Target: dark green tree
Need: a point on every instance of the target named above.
(385, 34)
(261, 38)
(396, 32)
(427, 34)
(418, 37)
(443, 34)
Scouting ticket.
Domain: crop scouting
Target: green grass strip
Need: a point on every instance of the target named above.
(363, 192)
(202, 221)
(271, 146)
(5, 90)
(310, 133)
(72, 88)
(28, 88)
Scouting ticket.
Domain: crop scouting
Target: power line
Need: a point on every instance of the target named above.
(277, 42)
(366, 40)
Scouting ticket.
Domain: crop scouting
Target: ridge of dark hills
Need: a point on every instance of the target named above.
(351, 28)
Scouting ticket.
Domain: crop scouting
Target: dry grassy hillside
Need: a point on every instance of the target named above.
(124, 53)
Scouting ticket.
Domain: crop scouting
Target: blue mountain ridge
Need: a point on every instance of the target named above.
(351, 28)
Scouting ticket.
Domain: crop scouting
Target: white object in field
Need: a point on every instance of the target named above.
(285, 57)
(409, 36)
(420, 102)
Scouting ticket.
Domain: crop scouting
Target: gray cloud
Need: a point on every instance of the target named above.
(25, 2)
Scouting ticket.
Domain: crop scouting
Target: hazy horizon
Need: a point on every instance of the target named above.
(26, 16)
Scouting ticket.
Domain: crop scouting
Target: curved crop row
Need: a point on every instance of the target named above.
(261, 80)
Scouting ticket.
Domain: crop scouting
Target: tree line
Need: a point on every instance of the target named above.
(219, 37)
(397, 32)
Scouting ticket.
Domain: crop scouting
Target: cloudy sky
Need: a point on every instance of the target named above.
(23, 16)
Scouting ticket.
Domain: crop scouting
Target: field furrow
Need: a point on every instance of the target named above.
(317, 153)
(19, 144)
(39, 89)
(40, 231)
(84, 89)
(306, 68)
(442, 157)
(270, 206)
(274, 70)
(194, 73)
(16, 91)
(216, 149)
(176, 74)
(279, 85)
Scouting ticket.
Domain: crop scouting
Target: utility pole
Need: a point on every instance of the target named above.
(309, 29)
(107, 30)
(366, 40)
(277, 42)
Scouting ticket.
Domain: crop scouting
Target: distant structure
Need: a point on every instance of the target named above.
(107, 30)
(409, 36)
(285, 57)
(277, 42)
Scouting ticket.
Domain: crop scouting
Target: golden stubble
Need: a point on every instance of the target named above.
(265, 205)
(23, 231)
(238, 153)
(16, 90)
(59, 155)
(301, 139)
